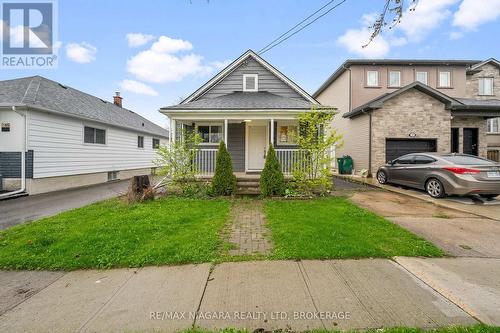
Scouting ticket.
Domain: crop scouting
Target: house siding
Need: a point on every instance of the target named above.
(59, 149)
(267, 82)
(236, 145)
(355, 131)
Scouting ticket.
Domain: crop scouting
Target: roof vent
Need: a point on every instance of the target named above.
(63, 86)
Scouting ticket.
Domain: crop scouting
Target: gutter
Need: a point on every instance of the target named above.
(23, 157)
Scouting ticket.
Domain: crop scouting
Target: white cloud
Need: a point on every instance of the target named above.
(137, 88)
(473, 13)
(160, 64)
(82, 53)
(414, 26)
(170, 45)
(427, 16)
(354, 39)
(138, 39)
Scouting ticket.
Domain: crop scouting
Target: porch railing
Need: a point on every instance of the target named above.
(204, 161)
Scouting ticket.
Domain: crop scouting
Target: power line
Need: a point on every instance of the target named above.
(273, 44)
(295, 26)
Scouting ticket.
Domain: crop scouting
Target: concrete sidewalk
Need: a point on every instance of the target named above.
(333, 294)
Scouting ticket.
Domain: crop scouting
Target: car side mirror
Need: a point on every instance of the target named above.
(391, 162)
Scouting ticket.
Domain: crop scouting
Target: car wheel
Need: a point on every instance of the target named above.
(434, 188)
(382, 177)
(488, 196)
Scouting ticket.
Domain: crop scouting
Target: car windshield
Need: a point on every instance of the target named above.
(467, 160)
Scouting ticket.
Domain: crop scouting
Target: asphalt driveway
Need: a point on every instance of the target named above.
(458, 233)
(33, 207)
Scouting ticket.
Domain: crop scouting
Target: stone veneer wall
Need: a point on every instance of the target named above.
(472, 85)
(410, 112)
(472, 122)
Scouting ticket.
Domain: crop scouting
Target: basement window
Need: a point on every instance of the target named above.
(5, 127)
(112, 175)
(251, 82)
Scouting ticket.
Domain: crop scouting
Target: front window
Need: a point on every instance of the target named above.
(394, 79)
(210, 133)
(485, 86)
(494, 125)
(372, 78)
(421, 77)
(94, 135)
(444, 79)
(287, 134)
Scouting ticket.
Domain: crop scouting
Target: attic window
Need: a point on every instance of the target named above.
(250, 82)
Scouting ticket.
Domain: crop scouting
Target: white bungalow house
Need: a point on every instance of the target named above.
(249, 105)
(54, 137)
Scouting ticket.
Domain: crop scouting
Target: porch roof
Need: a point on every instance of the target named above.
(239, 100)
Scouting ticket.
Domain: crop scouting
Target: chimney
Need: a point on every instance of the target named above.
(117, 100)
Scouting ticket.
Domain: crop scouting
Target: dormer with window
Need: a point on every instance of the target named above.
(250, 82)
(483, 80)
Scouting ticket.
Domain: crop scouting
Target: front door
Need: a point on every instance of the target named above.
(257, 145)
(471, 141)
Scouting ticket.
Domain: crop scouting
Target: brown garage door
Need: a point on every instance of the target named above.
(395, 148)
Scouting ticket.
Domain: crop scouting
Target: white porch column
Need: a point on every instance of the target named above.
(272, 132)
(225, 132)
(173, 129)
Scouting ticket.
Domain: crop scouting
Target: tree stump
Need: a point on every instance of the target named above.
(140, 189)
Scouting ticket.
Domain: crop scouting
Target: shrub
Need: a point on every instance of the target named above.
(224, 181)
(272, 181)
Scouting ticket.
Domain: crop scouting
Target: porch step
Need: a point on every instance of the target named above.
(248, 191)
(247, 185)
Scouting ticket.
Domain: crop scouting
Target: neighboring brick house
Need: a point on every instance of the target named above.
(388, 108)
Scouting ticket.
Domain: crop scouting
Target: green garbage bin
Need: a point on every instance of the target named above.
(340, 163)
(347, 165)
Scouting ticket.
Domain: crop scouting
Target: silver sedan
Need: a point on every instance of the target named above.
(444, 174)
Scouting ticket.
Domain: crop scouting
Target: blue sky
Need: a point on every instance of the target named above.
(176, 46)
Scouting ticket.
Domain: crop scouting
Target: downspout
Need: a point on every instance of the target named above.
(23, 157)
(370, 145)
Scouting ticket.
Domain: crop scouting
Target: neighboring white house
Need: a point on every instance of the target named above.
(69, 138)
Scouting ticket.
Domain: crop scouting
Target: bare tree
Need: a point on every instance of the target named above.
(390, 16)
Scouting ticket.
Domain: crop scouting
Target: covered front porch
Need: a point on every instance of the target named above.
(247, 138)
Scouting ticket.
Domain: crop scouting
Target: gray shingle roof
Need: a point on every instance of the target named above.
(239, 100)
(473, 106)
(40, 92)
(479, 102)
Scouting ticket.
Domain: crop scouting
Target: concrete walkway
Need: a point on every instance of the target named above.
(248, 232)
(33, 207)
(296, 295)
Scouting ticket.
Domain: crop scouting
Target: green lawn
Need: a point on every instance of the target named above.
(114, 234)
(336, 228)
